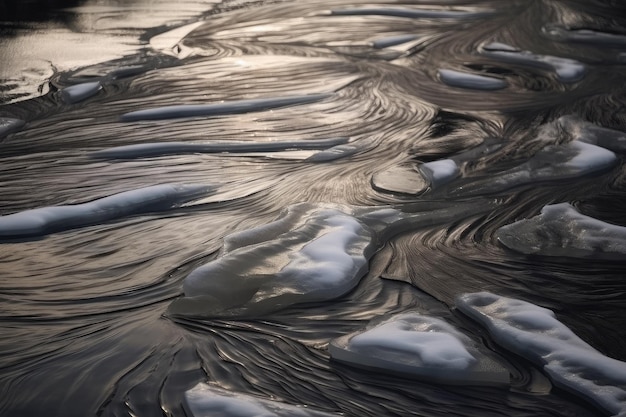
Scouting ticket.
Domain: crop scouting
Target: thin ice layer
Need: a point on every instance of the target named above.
(560, 230)
(536, 334)
(472, 81)
(567, 70)
(205, 401)
(419, 346)
(45, 220)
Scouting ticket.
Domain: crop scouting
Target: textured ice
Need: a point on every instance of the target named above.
(79, 92)
(393, 41)
(536, 334)
(336, 152)
(474, 81)
(206, 401)
(169, 148)
(567, 70)
(408, 13)
(219, 109)
(585, 36)
(583, 131)
(560, 230)
(419, 346)
(440, 172)
(9, 125)
(45, 220)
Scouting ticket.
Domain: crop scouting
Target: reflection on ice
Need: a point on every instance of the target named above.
(411, 344)
(560, 230)
(536, 334)
(205, 401)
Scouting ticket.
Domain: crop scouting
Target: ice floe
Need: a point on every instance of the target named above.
(536, 334)
(171, 148)
(560, 230)
(45, 220)
(583, 131)
(206, 401)
(79, 92)
(473, 81)
(411, 344)
(9, 125)
(220, 109)
(595, 37)
(567, 70)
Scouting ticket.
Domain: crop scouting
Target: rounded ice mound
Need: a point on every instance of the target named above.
(79, 92)
(535, 333)
(205, 401)
(411, 344)
(560, 230)
(311, 253)
(461, 79)
(414, 180)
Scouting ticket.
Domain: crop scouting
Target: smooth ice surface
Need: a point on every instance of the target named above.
(585, 36)
(336, 152)
(473, 81)
(393, 41)
(440, 172)
(567, 70)
(220, 109)
(421, 346)
(206, 401)
(79, 92)
(41, 221)
(560, 230)
(583, 131)
(9, 125)
(536, 334)
(404, 179)
(170, 148)
(311, 253)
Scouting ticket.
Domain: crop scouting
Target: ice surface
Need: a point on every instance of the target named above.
(567, 70)
(466, 80)
(206, 401)
(408, 13)
(79, 92)
(219, 109)
(393, 41)
(536, 334)
(583, 131)
(41, 221)
(404, 179)
(585, 36)
(9, 125)
(169, 148)
(336, 152)
(440, 172)
(560, 230)
(419, 346)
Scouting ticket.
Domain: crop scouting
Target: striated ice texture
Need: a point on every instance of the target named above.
(206, 401)
(466, 80)
(560, 230)
(419, 346)
(9, 125)
(220, 109)
(440, 172)
(79, 92)
(390, 41)
(171, 148)
(536, 334)
(45, 220)
(410, 179)
(567, 70)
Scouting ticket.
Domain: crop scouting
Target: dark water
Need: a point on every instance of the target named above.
(82, 310)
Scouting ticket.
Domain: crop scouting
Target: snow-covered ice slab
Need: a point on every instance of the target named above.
(206, 401)
(462, 79)
(45, 220)
(79, 92)
(144, 150)
(560, 230)
(536, 334)
(311, 253)
(428, 348)
(567, 70)
(414, 180)
(221, 109)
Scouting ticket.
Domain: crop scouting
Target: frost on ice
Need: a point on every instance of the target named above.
(205, 401)
(560, 230)
(536, 334)
(414, 345)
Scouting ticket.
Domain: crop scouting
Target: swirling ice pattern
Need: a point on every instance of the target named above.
(82, 309)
